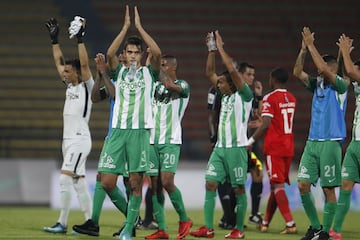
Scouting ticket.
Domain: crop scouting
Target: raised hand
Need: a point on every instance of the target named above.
(53, 27)
(308, 36)
(137, 18)
(100, 63)
(127, 21)
(345, 44)
(218, 40)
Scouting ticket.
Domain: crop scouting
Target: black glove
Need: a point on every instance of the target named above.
(53, 28)
(81, 32)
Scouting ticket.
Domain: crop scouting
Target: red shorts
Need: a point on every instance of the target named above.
(278, 168)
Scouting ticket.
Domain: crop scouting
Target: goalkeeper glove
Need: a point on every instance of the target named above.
(77, 28)
(53, 27)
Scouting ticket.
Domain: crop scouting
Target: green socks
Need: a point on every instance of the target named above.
(98, 200)
(178, 203)
(310, 210)
(342, 209)
(209, 207)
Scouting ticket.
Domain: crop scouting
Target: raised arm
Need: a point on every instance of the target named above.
(229, 63)
(149, 41)
(53, 29)
(298, 70)
(103, 72)
(210, 63)
(115, 45)
(84, 62)
(345, 46)
(323, 68)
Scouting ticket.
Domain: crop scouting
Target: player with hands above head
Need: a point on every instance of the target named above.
(76, 144)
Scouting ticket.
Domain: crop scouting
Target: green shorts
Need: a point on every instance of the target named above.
(351, 165)
(321, 159)
(126, 149)
(228, 164)
(164, 158)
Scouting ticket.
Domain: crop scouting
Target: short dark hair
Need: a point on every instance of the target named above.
(242, 66)
(134, 40)
(75, 63)
(280, 74)
(329, 58)
(229, 80)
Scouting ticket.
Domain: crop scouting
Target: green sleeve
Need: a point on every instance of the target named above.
(246, 92)
(311, 86)
(340, 85)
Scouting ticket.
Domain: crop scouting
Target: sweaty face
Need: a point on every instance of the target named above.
(133, 54)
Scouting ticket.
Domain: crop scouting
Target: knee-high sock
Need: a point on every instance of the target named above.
(66, 183)
(270, 208)
(255, 191)
(310, 210)
(178, 203)
(241, 205)
(159, 213)
(84, 197)
(118, 200)
(132, 213)
(98, 200)
(328, 216)
(342, 209)
(209, 207)
(283, 204)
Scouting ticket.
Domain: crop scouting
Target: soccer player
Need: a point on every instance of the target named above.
(100, 92)
(278, 109)
(169, 105)
(225, 191)
(350, 172)
(322, 154)
(229, 157)
(76, 143)
(128, 145)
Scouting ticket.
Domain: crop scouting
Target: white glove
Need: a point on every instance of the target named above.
(76, 25)
(210, 42)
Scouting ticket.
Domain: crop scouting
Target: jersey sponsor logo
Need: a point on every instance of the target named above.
(72, 96)
(303, 173)
(132, 85)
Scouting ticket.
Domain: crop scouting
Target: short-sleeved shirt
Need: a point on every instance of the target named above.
(77, 110)
(168, 109)
(233, 119)
(134, 93)
(280, 106)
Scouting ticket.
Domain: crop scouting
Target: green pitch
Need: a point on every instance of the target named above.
(27, 223)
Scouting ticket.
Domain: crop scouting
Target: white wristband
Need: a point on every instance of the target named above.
(250, 141)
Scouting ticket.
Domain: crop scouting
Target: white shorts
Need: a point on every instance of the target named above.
(75, 153)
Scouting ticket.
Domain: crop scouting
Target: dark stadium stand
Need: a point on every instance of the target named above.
(264, 33)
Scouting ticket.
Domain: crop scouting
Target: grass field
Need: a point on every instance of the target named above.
(27, 223)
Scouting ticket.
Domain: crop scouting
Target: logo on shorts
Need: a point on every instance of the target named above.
(106, 161)
(211, 170)
(344, 173)
(303, 173)
(143, 162)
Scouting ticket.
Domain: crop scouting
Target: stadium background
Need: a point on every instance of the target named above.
(265, 33)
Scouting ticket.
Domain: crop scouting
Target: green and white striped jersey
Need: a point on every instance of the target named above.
(356, 122)
(169, 108)
(233, 120)
(134, 93)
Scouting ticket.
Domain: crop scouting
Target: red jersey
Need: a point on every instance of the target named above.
(280, 106)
